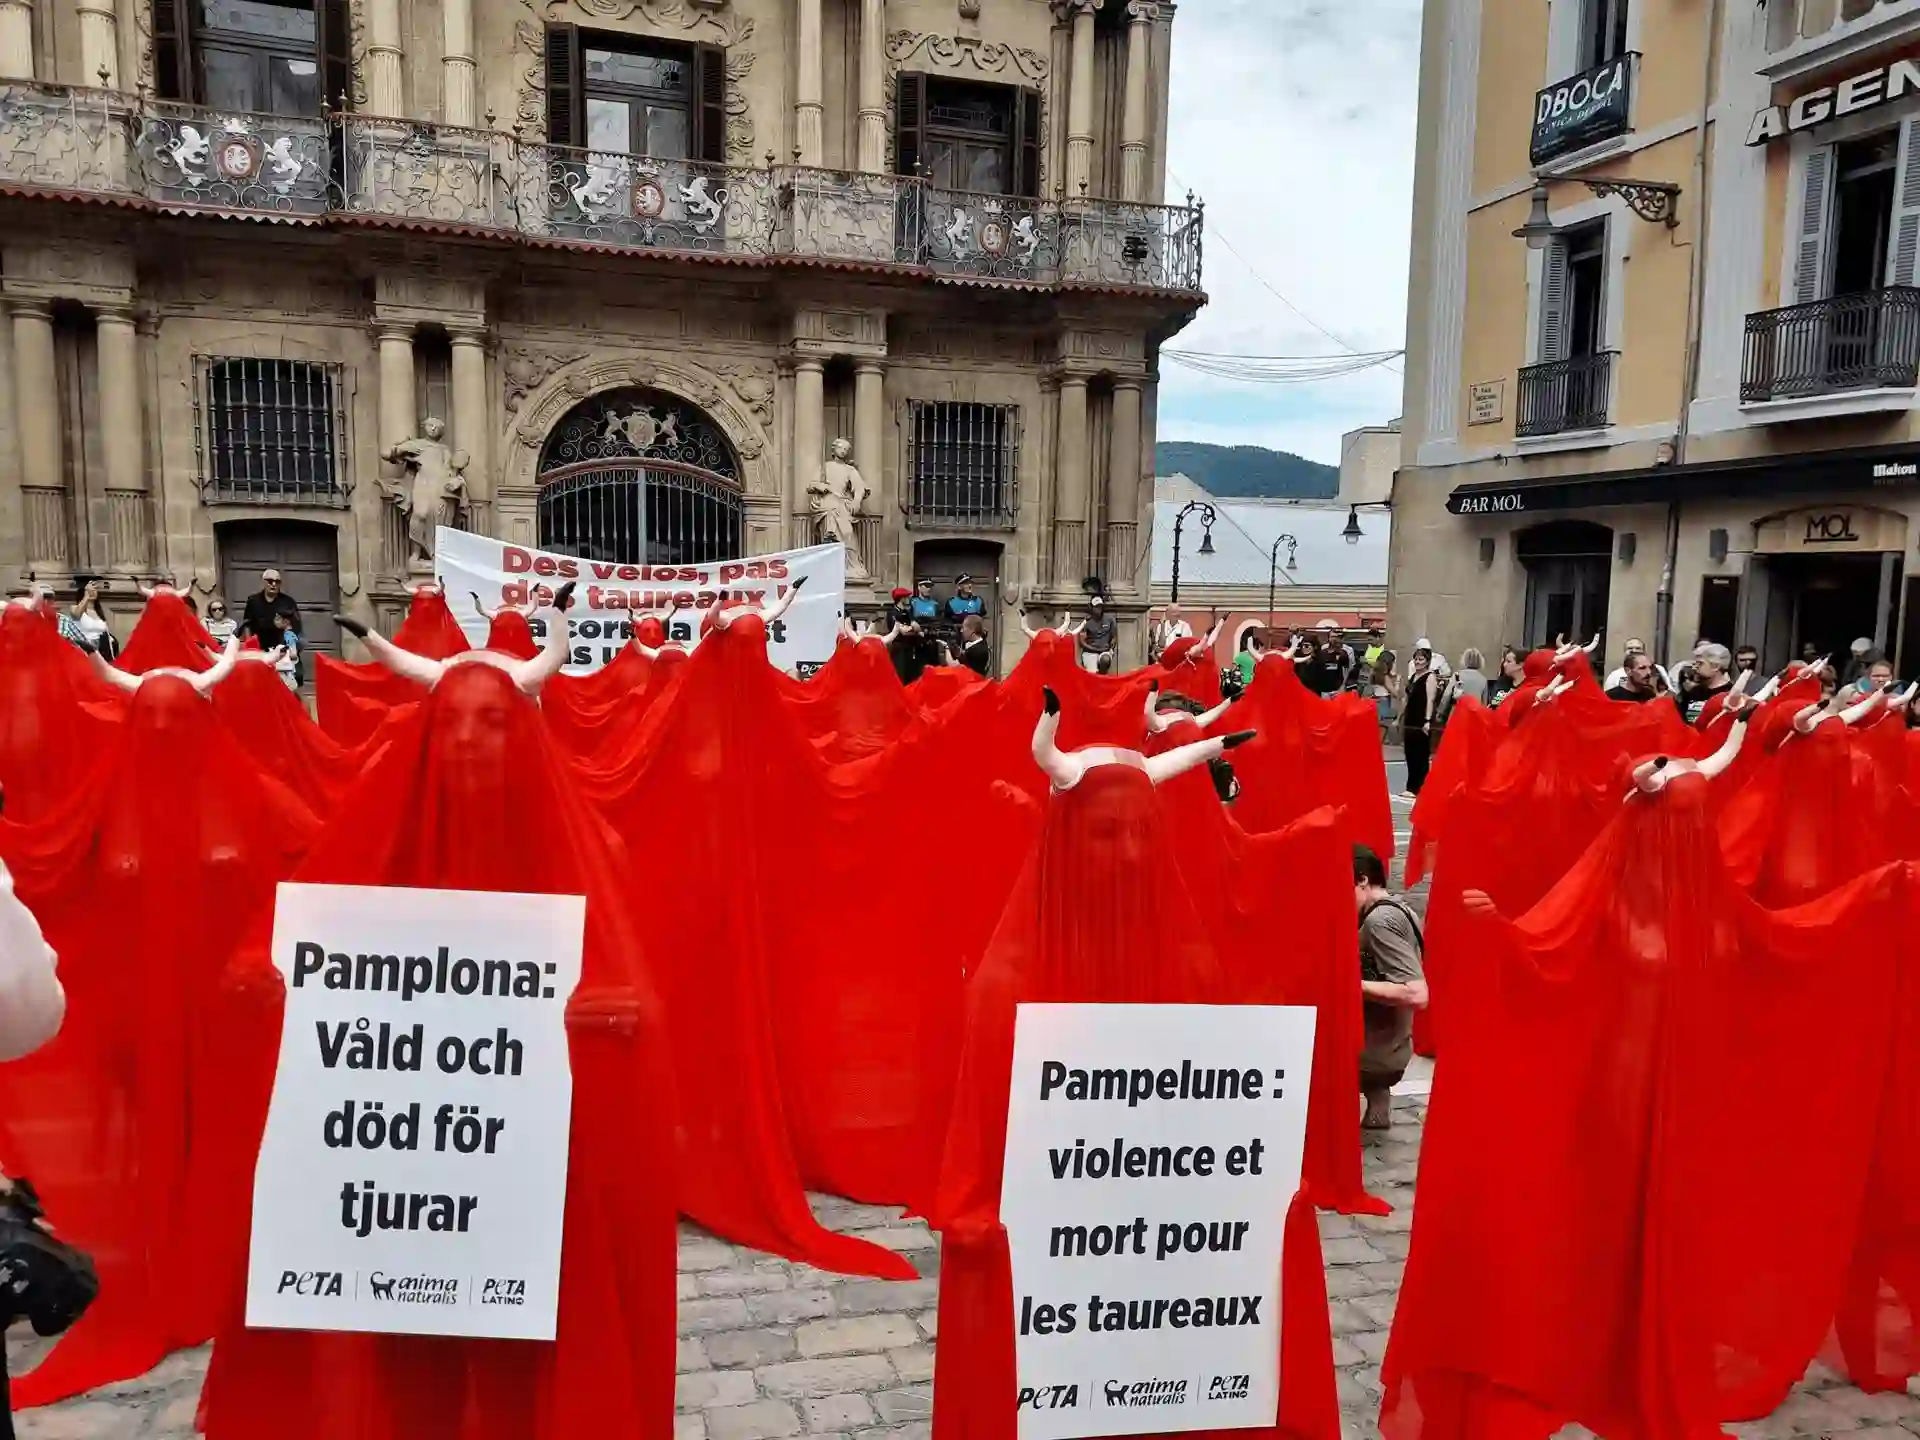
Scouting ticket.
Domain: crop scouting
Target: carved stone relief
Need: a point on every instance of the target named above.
(710, 21)
(524, 371)
(966, 55)
(143, 46)
(754, 385)
(356, 53)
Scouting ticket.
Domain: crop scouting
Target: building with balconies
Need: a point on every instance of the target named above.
(645, 259)
(1665, 326)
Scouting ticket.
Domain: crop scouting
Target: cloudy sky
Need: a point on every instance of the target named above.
(1294, 120)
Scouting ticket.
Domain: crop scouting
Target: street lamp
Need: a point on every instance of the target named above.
(1273, 569)
(1353, 532)
(1655, 201)
(1207, 516)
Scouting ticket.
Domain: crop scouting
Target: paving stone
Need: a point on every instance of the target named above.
(857, 1335)
(697, 1317)
(786, 1307)
(750, 1348)
(914, 1362)
(762, 1420)
(874, 1297)
(689, 1427)
(929, 1323)
(837, 1412)
(900, 1237)
(741, 1282)
(839, 1375)
(706, 1255)
(1350, 1251)
(689, 1353)
(918, 1430)
(900, 1407)
(704, 1389)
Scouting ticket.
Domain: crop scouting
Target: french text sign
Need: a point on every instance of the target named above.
(412, 1179)
(1152, 1152)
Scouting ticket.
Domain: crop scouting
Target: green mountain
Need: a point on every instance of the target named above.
(1247, 471)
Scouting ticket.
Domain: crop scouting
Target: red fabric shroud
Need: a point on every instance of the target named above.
(855, 705)
(143, 878)
(582, 710)
(1804, 823)
(739, 782)
(1098, 916)
(1191, 670)
(472, 795)
(351, 700)
(1309, 752)
(1248, 891)
(1601, 1236)
(167, 635)
(257, 705)
(511, 633)
(1467, 744)
(49, 738)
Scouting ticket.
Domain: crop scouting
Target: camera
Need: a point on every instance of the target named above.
(43, 1280)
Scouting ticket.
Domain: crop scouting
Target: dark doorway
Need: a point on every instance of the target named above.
(1719, 609)
(308, 559)
(1837, 599)
(1569, 565)
(944, 562)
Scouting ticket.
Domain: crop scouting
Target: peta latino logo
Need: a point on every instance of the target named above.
(1141, 1393)
(324, 1283)
(1229, 1387)
(1895, 471)
(503, 1292)
(413, 1289)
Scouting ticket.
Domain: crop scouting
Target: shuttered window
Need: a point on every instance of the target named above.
(619, 94)
(968, 135)
(1810, 226)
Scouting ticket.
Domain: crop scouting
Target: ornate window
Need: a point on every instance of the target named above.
(636, 476)
(962, 461)
(969, 136)
(269, 430)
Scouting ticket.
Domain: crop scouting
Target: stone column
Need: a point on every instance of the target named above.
(399, 416)
(127, 515)
(809, 433)
(1123, 485)
(472, 425)
(16, 40)
(457, 64)
(1070, 485)
(1080, 101)
(36, 395)
(873, 86)
(869, 425)
(99, 44)
(1134, 122)
(808, 111)
(385, 96)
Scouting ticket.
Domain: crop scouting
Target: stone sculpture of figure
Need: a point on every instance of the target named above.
(436, 489)
(839, 498)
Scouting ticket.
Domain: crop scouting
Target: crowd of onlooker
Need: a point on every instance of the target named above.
(270, 616)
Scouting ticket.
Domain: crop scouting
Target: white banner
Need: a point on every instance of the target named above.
(1152, 1152)
(608, 598)
(413, 1175)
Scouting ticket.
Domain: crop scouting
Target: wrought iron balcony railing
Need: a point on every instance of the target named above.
(181, 157)
(1868, 341)
(1563, 395)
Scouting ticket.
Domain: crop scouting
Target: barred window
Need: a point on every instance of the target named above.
(272, 430)
(963, 460)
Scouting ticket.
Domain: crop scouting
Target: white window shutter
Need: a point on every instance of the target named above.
(1554, 300)
(1903, 249)
(1810, 226)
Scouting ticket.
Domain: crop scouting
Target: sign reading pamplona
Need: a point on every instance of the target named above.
(1152, 1152)
(412, 1176)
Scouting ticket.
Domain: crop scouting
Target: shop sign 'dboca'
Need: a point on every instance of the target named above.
(1581, 111)
(1868, 90)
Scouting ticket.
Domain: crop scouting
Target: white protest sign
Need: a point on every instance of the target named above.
(608, 599)
(1152, 1152)
(413, 1175)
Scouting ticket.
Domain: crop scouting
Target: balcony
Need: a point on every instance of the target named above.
(1563, 395)
(1805, 34)
(1867, 343)
(367, 169)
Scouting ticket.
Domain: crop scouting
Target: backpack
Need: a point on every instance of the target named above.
(1419, 935)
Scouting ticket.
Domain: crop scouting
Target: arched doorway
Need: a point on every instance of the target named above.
(638, 477)
(1569, 565)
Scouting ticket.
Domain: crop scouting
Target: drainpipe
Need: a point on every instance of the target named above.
(1696, 282)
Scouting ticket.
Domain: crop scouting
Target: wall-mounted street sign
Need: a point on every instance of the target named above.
(1868, 90)
(1583, 110)
(1487, 402)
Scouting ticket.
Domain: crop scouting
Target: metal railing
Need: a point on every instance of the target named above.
(174, 156)
(1868, 341)
(1562, 395)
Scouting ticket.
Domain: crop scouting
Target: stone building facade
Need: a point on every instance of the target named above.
(645, 260)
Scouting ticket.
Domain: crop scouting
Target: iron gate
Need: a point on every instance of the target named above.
(633, 512)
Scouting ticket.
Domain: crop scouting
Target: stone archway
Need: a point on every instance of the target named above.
(739, 413)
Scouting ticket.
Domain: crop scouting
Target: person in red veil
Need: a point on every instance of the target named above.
(277, 730)
(720, 756)
(143, 878)
(1099, 916)
(467, 777)
(351, 700)
(167, 636)
(1602, 1237)
(50, 736)
(1249, 889)
(1191, 667)
(510, 629)
(582, 710)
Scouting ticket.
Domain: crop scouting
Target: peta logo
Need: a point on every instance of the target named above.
(1140, 1393)
(325, 1283)
(1049, 1397)
(503, 1292)
(1228, 1387)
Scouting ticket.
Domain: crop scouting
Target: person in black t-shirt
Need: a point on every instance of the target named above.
(1636, 685)
(974, 650)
